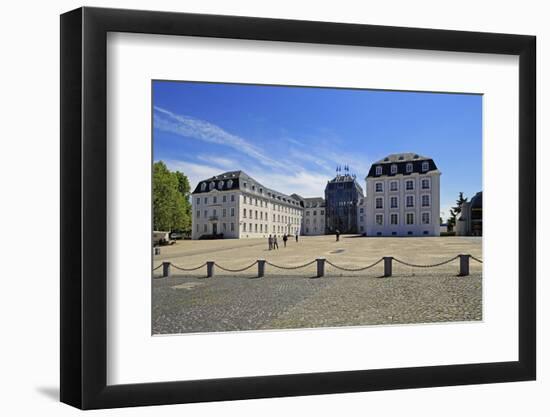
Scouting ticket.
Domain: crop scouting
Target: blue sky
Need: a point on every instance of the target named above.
(292, 138)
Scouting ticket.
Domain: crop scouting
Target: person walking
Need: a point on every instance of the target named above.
(296, 237)
(285, 238)
(270, 242)
(337, 235)
(275, 244)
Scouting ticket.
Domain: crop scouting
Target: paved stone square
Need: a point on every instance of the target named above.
(284, 299)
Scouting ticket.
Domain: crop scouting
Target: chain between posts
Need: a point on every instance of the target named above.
(355, 269)
(188, 269)
(236, 270)
(476, 259)
(425, 266)
(160, 266)
(291, 267)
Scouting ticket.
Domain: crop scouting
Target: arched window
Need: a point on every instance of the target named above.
(203, 186)
(212, 185)
(379, 170)
(409, 168)
(220, 185)
(394, 169)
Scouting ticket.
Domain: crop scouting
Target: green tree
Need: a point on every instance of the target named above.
(456, 210)
(171, 207)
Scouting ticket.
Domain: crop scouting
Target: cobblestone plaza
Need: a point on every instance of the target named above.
(293, 298)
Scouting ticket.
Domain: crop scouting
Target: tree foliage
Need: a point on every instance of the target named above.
(171, 206)
(456, 210)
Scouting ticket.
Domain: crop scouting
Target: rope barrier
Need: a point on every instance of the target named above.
(425, 266)
(476, 259)
(354, 269)
(291, 267)
(236, 270)
(188, 269)
(154, 269)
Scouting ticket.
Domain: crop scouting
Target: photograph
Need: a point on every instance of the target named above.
(299, 207)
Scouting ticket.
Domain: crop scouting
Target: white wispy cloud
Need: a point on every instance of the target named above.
(191, 127)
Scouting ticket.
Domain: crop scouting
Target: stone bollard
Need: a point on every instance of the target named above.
(261, 268)
(166, 270)
(464, 265)
(388, 266)
(209, 269)
(320, 267)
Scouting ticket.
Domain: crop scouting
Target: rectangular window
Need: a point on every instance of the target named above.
(224, 212)
(410, 218)
(198, 214)
(394, 169)
(205, 228)
(215, 212)
(198, 201)
(409, 185)
(361, 219)
(425, 200)
(244, 213)
(322, 212)
(315, 212)
(409, 168)
(225, 227)
(425, 184)
(232, 211)
(232, 227)
(410, 201)
(393, 186)
(205, 214)
(214, 199)
(361, 210)
(197, 228)
(205, 200)
(379, 219)
(232, 197)
(394, 219)
(224, 198)
(379, 187)
(244, 199)
(425, 166)
(393, 202)
(244, 227)
(379, 203)
(378, 170)
(255, 227)
(426, 218)
(256, 215)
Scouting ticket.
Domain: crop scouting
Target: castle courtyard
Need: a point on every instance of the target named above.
(187, 302)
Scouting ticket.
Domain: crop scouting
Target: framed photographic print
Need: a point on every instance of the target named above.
(257, 207)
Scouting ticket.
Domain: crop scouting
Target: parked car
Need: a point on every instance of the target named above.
(177, 235)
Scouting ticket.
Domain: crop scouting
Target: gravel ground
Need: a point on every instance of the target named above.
(188, 303)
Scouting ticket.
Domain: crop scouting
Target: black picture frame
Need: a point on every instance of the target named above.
(84, 207)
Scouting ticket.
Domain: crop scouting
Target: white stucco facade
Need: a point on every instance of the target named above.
(314, 217)
(237, 206)
(403, 197)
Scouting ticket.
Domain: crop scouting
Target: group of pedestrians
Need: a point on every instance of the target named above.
(273, 244)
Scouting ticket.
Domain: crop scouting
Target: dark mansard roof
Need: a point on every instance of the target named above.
(239, 180)
(401, 160)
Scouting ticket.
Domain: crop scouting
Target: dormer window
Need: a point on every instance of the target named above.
(220, 185)
(394, 169)
(379, 170)
(425, 166)
(212, 185)
(409, 168)
(229, 183)
(203, 186)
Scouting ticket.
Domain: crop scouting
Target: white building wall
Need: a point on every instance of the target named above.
(246, 215)
(313, 221)
(402, 228)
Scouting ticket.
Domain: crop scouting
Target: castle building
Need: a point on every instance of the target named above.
(235, 205)
(342, 195)
(313, 221)
(403, 196)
